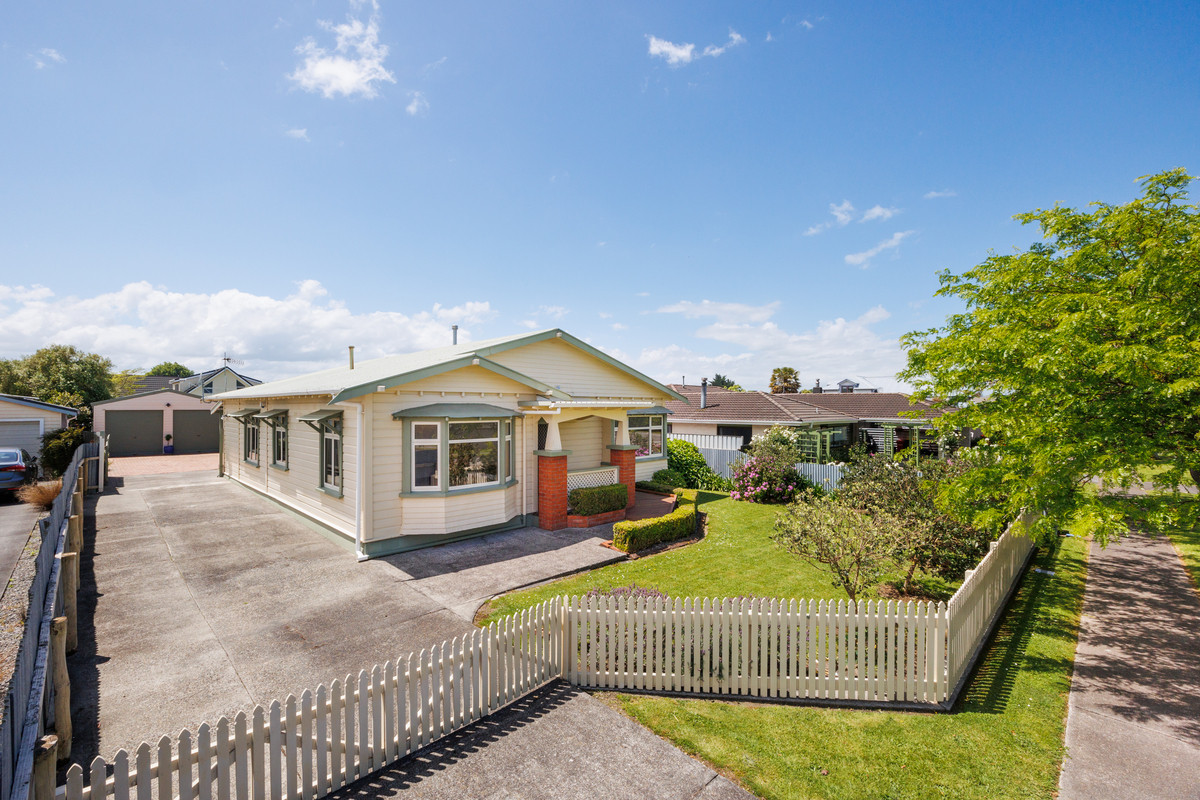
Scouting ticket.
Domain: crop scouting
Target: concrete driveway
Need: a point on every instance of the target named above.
(201, 598)
(16, 523)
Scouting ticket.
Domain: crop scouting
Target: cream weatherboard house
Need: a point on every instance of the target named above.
(411, 450)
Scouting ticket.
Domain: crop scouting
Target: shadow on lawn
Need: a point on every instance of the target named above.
(1034, 607)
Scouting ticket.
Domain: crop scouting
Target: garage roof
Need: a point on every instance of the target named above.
(33, 402)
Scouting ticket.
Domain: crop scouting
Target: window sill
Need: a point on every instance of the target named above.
(444, 493)
(280, 467)
(331, 492)
(651, 458)
(248, 461)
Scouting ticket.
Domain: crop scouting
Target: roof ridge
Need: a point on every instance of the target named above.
(778, 405)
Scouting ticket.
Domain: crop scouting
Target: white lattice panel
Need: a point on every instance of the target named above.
(586, 479)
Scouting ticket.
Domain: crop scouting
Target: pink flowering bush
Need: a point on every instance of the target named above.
(767, 475)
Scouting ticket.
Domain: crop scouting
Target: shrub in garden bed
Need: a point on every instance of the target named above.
(40, 494)
(629, 536)
(598, 499)
(669, 477)
(651, 486)
(685, 459)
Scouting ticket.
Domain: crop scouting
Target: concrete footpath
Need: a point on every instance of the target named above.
(1133, 724)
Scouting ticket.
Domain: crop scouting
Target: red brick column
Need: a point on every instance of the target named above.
(552, 492)
(625, 460)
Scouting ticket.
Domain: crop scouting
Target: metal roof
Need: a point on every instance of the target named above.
(33, 402)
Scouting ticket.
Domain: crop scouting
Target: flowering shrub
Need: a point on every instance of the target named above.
(767, 476)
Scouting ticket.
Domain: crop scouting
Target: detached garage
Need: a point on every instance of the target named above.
(23, 420)
(137, 425)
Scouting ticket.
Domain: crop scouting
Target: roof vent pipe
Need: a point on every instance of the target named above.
(817, 389)
(453, 334)
(704, 392)
(351, 356)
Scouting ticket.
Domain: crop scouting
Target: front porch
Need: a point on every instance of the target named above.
(583, 448)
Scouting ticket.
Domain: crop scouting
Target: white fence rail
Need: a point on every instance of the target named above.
(709, 441)
(826, 476)
(876, 652)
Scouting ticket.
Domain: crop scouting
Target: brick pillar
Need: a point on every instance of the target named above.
(552, 492)
(624, 458)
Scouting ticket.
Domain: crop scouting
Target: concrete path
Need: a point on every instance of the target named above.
(1133, 724)
(556, 744)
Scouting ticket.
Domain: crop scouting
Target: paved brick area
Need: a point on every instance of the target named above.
(162, 465)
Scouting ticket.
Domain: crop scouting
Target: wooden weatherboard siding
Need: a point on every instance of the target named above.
(559, 364)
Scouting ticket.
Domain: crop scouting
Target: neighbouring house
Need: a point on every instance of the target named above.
(889, 420)
(23, 421)
(213, 382)
(411, 450)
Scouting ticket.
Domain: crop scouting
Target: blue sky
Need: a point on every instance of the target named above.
(694, 187)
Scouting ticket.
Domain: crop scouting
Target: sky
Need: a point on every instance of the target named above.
(694, 187)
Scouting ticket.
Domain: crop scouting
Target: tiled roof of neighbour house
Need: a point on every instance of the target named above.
(343, 382)
(881, 406)
(746, 408)
(150, 383)
(33, 402)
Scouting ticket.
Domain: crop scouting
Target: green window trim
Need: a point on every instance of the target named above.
(280, 440)
(441, 444)
(328, 423)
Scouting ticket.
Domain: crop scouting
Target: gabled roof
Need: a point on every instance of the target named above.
(746, 408)
(342, 383)
(203, 377)
(33, 402)
(150, 383)
(123, 397)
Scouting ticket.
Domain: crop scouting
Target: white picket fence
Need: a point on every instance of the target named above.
(982, 595)
(877, 652)
(871, 651)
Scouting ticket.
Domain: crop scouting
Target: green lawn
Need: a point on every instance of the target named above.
(1004, 741)
(735, 558)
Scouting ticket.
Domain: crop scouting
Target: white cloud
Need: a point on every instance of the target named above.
(529, 323)
(354, 66)
(863, 259)
(723, 312)
(675, 54)
(45, 56)
(879, 212)
(808, 26)
(619, 326)
(842, 214)
(679, 54)
(298, 133)
(735, 39)
(433, 65)
(141, 324)
(831, 350)
(605, 315)
(419, 105)
(933, 195)
(554, 312)
(769, 38)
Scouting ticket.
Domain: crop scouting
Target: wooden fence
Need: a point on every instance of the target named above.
(38, 696)
(879, 653)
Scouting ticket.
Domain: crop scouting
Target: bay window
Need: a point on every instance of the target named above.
(647, 434)
(458, 447)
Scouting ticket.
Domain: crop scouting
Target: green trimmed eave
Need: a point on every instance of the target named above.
(579, 344)
(455, 411)
(271, 413)
(653, 411)
(241, 415)
(468, 360)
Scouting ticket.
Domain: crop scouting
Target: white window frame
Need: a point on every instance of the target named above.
(332, 433)
(649, 429)
(279, 431)
(250, 435)
(414, 442)
(451, 442)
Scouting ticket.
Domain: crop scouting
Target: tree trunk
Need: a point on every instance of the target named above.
(912, 567)
(1195, 473)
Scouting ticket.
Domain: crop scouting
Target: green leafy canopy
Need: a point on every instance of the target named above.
(1078, 358)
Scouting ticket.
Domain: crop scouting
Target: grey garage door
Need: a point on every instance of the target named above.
(21, 434)
(134, 433)
(195, 432)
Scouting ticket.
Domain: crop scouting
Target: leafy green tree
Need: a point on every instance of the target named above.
(1079, 358)
(724, 382)
(125, 382)
(59, 446)
(170, 369)
(64, 371)
(785, 380)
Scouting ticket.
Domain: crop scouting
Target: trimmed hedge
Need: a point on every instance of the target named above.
(687, 496)
(651, 486)
(632, 535)
(598, 499)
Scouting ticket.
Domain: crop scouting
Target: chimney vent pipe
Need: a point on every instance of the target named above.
(704, 392)
(351, 356)
(453, 334)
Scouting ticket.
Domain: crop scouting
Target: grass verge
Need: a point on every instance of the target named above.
(1004, 741)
